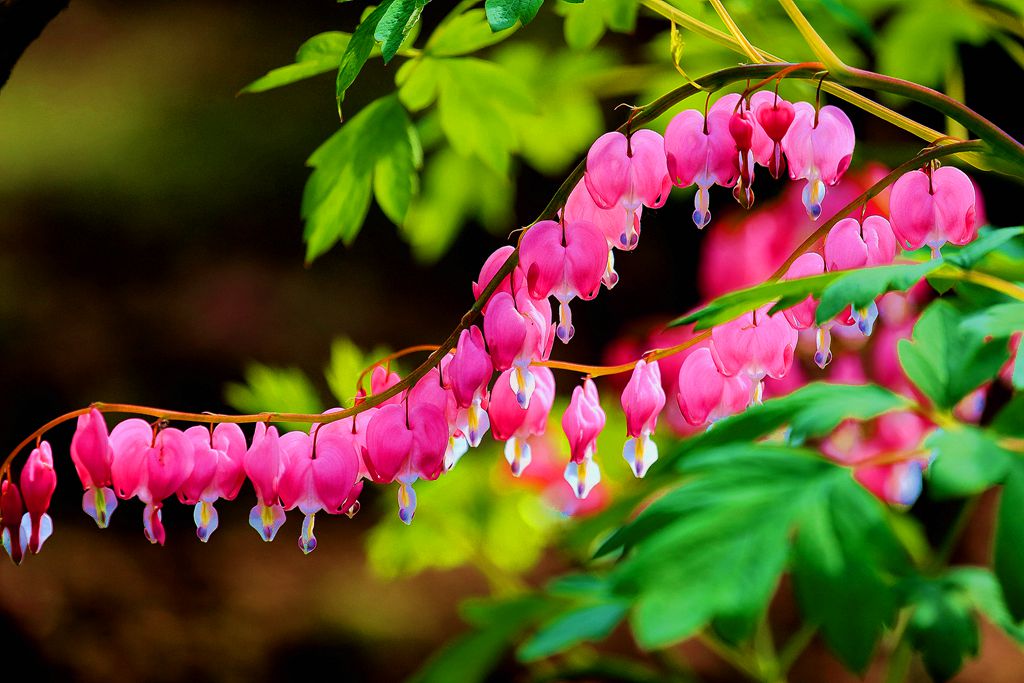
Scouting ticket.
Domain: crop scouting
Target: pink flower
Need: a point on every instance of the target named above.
(318, 473)
(353, 428)
(756, 345)
(151, 465)
(38, 482)
(381, 379)
(742, 129)
(628, 171)
(513, 425)
(490, 268)
(467, 375)
(10, 521)
(801, 316)
(702, 151)
(92, 456)
(850, 244)
(705, 395)
(566, 261)
(518, 331)
(262, 465)
(642, 401)
(582, 422)
(818, 147)
(897, 483)
(620, 227)
(933, 209)
(774, 115)
(218, 473)
(404, 443)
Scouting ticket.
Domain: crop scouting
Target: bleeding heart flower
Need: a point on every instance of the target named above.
(774, 115)
(705, 395)
(582, 422)
(262, 465)
(10, 521)
(702, 151)
(818, 147)
(566, 261)
(518, 331)
(933, 209)
(513, 425)
(642, 401)
(38, 482)
(801, 316)
(218, 473)
(92, 455)
(756, 345)
(628, 171)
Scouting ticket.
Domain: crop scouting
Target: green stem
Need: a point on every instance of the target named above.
(738, 660)
(795, 646)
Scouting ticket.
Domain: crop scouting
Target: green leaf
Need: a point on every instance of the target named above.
(375, 151)
(1001, 320)
(919, 44)
(946, 360)
(347, 362)
(971, 254)
(466, 33)
(584, 24)
(395, 24)
(319, 54)
(966, 461)
(842, 556)
(726, 530)
(472, 656)
(985, 593)
(1009, 542)
(588, 622)
(503, 14)
(812, 410)
(358, 49)
(860, 287)
(942, 628)
(274, 389)
(1010, 420)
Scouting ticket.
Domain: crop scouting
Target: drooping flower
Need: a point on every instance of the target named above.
(10, 521)
(38, 482)
(774, 116)
(564, 261)
(92, 456)
(518, 331)
(467, 376)
(701, 150)
(513, 425)
(620, 227)
(319, 472)
(218, 473)
(404, 443)
(490, 268)
(582, 422)
(742, 126)
(801, 316)
(705, 394)
(756, 345)
(629, 171)
(933, 208)
(818, 146)
(151, 464)
(262, 466)
(850, 245)
(642, 401)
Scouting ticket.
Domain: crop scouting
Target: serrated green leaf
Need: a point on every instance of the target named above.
(584, 623)
(374, 151)
(319, 54)
(503, 14)
(1009, 542)
(840, 563)
(945, 360)
(395, 24)
(277, 389)
(464, 34)
(942, 628)
(358, 50)
(966, 461)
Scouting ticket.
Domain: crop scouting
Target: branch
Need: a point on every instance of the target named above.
(21, 22)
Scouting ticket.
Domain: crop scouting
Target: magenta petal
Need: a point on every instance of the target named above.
(643, 398)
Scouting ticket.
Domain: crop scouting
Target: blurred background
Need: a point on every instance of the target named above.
(151, 251)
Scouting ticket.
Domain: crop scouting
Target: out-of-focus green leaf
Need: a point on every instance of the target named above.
(503, 14)
(1009, 543)
(1001, 320)
(497, 624)
(1010, 420)
(587, 622)
(276, 389)
(942, 628)
(970, 255)
(347, 362)
(947, 361)
(986, 595)
(586, 22)
(966, 461)
(395, 24)
(812, 410)
(460, 518)
(376, 151)
(843, 555)
(464, 34)
(920, 42)
(319, 54)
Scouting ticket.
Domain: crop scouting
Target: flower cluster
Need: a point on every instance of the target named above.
(421, 433)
